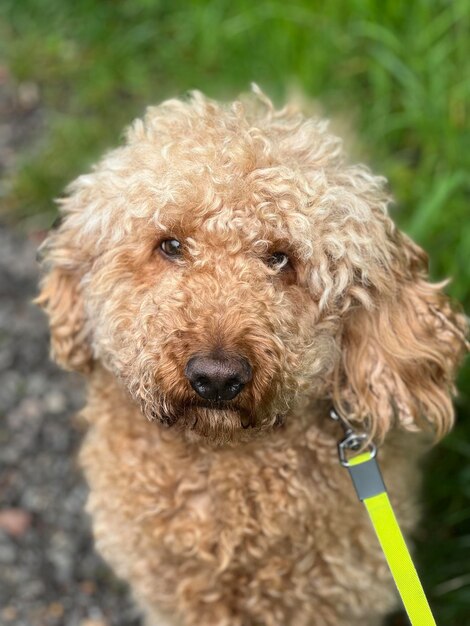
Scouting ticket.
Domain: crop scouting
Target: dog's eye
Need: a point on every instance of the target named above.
(171, 248)
(278, 261)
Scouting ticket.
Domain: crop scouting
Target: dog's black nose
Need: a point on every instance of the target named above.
(218, 379)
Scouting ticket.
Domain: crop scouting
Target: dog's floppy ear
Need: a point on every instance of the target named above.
(399, 357)
(61, 298)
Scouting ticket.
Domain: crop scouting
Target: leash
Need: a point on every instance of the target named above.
(370, 488)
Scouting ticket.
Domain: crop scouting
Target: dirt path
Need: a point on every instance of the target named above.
(49, 573)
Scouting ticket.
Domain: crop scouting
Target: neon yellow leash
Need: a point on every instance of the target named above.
(370, 488)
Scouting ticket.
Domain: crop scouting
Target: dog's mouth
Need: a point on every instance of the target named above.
(239, 419)
(191, 414)
(219, 420)
(216, 405)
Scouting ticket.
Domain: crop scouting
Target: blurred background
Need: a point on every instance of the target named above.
(396, 76)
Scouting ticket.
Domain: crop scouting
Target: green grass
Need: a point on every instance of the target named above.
(397, 72)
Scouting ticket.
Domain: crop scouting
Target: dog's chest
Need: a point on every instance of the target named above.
(277, 517)
(224, 506)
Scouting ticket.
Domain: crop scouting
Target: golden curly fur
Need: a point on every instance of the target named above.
(239, 514)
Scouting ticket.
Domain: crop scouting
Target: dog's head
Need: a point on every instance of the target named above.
(226, 263)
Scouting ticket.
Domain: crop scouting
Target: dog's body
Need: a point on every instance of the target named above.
(228, 275)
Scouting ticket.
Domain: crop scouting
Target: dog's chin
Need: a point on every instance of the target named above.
(215, 423)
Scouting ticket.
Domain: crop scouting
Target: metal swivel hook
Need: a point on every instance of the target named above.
(353, 440)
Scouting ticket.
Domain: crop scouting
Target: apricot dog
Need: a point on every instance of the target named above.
(223, 279)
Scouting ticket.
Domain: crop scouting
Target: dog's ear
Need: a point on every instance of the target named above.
(61, 298)
(399, 356)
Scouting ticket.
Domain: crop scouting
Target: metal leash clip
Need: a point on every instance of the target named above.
(353, 440)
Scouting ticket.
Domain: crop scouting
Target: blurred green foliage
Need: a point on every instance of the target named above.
(398, 71)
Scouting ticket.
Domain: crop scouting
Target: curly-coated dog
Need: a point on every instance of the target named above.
(223, 279)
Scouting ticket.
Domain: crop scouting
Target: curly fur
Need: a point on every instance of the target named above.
(240, 515)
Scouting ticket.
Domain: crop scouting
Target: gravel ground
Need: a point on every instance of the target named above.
(49, 573)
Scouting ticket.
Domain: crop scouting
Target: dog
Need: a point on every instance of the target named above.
(223, 280)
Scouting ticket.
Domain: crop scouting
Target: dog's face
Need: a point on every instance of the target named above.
(206, 317)
(226, 265)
